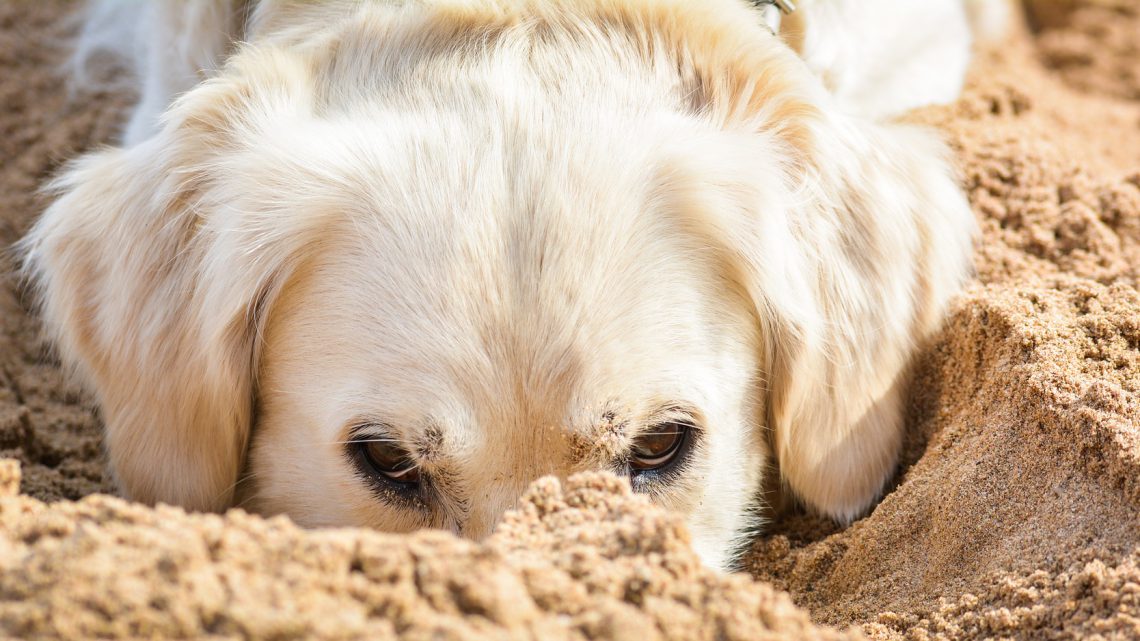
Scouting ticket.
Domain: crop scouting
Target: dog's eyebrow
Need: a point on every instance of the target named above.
(663, 412)
(428, 446)
(600, 437)
(627, 424)
(612, 422)
(370, 429)
(376, 431)
(678, 412)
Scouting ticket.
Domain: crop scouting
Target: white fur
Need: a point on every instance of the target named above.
(514, 233)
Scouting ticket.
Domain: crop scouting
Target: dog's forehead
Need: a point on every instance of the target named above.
(531, 279)
(536, 316)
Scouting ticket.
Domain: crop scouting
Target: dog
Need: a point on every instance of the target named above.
(385, 263)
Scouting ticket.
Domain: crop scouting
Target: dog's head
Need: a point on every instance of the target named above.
(391, 284)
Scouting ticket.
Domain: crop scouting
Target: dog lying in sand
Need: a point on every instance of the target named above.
(385, 263)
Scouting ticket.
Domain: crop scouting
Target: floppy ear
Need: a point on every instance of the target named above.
(148, 295)
(847, 249)
(846, 237)
(884, 238)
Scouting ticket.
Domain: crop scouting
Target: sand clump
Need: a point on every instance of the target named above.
(1015, 514)
(588, 561)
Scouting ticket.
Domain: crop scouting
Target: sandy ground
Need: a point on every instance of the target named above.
(1016, 513)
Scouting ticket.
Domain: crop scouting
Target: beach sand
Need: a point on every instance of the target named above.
(1015, 513)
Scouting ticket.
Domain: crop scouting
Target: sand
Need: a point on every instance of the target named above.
(1015, 514)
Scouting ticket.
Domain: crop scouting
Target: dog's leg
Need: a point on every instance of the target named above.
(169, 45)
(183, 44)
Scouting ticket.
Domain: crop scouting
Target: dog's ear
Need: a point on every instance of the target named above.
(151, 283)
(883, 239)
(847, 238)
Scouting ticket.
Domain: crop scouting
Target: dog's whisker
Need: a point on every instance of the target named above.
(360, 440)
(244, 478)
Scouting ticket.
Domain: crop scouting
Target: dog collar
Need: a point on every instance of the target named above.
(772, 10)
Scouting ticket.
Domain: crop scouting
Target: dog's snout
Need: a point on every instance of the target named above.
(481, 521)
(487, 509)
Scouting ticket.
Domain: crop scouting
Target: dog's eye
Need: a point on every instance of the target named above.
(382, 458)
(658, 447)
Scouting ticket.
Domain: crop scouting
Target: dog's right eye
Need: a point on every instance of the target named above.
(657, 447)
(380, 458)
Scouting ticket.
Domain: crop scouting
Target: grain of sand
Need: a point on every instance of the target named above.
(1015, 514)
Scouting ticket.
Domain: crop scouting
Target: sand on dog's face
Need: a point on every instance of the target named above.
(1016, 514)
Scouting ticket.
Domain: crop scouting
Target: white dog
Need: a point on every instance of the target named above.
(384, 263)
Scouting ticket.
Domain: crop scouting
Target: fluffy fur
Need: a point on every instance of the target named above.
(509, 235)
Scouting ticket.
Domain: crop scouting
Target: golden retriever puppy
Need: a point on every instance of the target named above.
(385, 263)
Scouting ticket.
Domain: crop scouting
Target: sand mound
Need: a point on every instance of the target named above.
(592, 561)
(1016, 513)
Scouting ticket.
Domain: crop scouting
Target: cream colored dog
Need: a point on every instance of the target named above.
(385, 263)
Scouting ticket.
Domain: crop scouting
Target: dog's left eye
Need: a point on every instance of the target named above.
(658, 447)
(380, 458)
